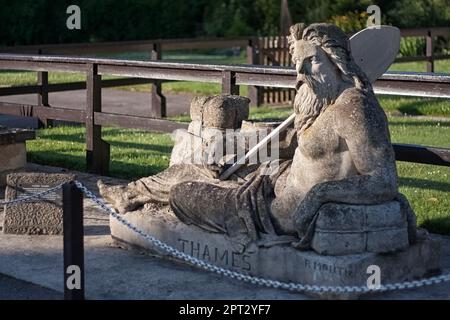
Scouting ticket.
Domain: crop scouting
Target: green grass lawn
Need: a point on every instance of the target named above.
(421, 66)
(136, 153)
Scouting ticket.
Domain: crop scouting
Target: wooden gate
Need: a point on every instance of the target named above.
(271, 51)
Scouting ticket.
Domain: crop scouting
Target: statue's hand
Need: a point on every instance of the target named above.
(304, 217)
(306, 211)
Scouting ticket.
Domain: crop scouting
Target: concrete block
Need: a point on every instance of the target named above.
(37, 216)
(220, 111)
(12, 157)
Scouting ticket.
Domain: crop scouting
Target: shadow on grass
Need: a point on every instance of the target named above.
(153, 147)
(424, 184)
(54, 158)
(433, 124)
(411, 106)
(118, 169)
(77, 138)
(439, 225)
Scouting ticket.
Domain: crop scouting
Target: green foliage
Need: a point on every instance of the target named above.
(412, 46)
(242, 17)
(352, 21)
(44, 21)
(419, 13)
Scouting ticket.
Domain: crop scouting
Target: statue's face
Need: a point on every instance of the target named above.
(313, 65)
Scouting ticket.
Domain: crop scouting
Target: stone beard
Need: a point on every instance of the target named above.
(313, 97)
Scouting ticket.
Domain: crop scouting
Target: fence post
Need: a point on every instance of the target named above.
(429, 52)
(254, 93)
(73, 242)
(97, 150)
(158, 103)
(229, 83)
(42, 82)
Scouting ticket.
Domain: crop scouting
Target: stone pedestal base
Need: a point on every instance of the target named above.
(280, 262)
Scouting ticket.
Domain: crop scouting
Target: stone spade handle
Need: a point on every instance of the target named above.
(373, 50)
(286, 123)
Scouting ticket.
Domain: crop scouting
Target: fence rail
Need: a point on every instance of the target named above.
(229, 76)
(260, 51)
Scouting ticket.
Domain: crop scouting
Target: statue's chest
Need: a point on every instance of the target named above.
(320, 140)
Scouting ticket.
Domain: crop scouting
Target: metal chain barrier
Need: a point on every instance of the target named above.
(33, 196)
(257, 280)
(232, 274)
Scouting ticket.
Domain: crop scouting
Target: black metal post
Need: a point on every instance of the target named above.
(73, 242)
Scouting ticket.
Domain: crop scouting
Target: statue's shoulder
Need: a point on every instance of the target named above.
(357, 108)
(352, 97)
(356, 101)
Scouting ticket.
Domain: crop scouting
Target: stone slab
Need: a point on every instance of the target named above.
(13, 153)
(11, 136)
(40, 216)
(347, 229)
(12, 157)
(280, 262)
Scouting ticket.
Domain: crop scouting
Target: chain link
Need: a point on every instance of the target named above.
(33, 196)
(256, 280)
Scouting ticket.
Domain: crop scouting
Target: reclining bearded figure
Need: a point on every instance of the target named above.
(344, 155)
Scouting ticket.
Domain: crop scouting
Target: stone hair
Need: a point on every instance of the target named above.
(335, 43)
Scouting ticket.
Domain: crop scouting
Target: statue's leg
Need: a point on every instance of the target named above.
(154, 188)
(208, 206)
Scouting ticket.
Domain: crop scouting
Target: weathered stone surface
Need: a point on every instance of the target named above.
(205, 140)
(280, 262)
(13, 153)
(209, 148)
(12, 157)
(287, 139)
(220, 111)
(37, 216)
(203, 145)
(195, 128)
(187, 148)
(349, 229)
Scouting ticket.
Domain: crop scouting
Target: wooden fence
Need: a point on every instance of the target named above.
(274, 51)
(260, 51)
(230, 77)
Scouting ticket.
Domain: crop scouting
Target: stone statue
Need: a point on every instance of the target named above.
(343, 157)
